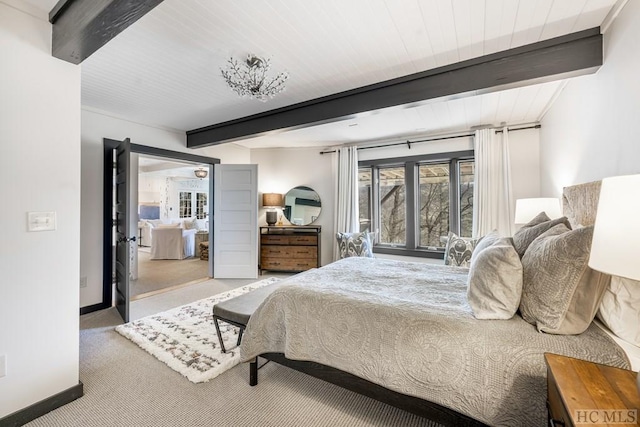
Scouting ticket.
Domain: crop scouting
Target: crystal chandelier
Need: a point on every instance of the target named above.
(249, 78)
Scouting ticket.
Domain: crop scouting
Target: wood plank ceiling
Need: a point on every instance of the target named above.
(165, 69)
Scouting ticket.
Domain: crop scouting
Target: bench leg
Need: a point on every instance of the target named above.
(215, 320)
(240, 335)
(253, 372)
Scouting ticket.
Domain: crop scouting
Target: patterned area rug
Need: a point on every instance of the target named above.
(185, 338)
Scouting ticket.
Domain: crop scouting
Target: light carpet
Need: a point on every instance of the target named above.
(185, 339)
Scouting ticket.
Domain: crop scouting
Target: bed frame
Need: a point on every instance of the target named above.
(424, 408)
(579, 202)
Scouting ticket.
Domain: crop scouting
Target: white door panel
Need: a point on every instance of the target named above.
(235, 221)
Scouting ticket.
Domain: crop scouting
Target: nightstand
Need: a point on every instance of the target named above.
(586, 393)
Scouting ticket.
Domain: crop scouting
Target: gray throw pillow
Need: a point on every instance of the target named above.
(534, 228)
(354, 244)
(495, 279)
(458, 250)
(561, 294)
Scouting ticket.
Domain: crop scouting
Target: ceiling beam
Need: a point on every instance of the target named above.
(566, 56)
(81, 27)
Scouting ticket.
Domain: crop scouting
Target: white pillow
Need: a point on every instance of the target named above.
(155, 222)
(189, 223)
(495, 279)
(620, 309)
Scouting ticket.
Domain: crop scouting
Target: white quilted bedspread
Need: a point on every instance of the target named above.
(408, 327)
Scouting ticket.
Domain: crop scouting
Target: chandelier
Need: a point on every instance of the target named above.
(200, 173)
(249, 78)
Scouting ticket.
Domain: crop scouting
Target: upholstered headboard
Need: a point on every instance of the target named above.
(580, 203)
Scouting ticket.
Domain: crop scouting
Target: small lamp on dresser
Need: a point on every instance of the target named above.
(272, 201)
(615, 248)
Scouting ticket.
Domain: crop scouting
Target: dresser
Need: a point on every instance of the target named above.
(586, 393)
(289, 248)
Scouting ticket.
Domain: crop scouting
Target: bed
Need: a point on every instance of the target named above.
(405, 334)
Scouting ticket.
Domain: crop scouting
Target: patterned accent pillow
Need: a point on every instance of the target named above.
(459, 250)
(534, 228)
(354, 244)
(560, 293)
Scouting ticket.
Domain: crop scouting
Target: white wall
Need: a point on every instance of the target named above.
(281, 169)
(591, 131)
(39, 171)
(95, 127)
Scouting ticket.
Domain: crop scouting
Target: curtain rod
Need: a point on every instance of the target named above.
(408, 143)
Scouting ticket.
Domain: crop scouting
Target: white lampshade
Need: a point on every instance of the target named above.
(527, 209)
(615, 248)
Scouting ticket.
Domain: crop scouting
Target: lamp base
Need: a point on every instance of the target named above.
(272, 217)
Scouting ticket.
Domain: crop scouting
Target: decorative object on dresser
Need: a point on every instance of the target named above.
(289, 248)
(302, 205)
(581, 392)
(272, 201)
(527, 209)
(615, 248)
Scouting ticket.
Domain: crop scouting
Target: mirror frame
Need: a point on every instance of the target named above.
(314, 217)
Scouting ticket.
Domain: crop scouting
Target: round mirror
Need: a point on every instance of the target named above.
(302, 205)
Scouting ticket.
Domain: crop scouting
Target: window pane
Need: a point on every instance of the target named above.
(185, 204)
(392, 206)
(433, 202)
(201, 202)
(364, 198)
(467, 172)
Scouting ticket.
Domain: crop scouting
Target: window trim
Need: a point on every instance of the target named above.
(411, 164)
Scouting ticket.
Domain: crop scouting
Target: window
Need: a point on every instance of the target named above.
(364, 198)
(433, 203)
(201, 204)
(393, 221)
(189, 199)
(185, 204)
(412, 203)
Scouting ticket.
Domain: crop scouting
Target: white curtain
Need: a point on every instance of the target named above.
(492, 195)
(346, 215)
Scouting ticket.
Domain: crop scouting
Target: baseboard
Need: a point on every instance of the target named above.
(95, 307)
(45, 406)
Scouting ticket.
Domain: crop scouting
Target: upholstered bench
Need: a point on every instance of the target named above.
(237, 311)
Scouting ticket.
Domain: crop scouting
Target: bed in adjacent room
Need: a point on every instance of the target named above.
(407, 334)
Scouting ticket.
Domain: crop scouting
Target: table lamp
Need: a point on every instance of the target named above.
(272, 201)
(527, 209)
(615, 248)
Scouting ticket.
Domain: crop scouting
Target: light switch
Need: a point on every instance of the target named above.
(41, 221)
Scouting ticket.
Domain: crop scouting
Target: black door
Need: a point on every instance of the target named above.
(122, 227)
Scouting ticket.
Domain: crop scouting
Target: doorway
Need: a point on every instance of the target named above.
(167, 192)
(114, 217)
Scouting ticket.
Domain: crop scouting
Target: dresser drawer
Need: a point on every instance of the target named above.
(288, 264)
(281, 251)
(274, 239)
(303, 240)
